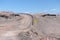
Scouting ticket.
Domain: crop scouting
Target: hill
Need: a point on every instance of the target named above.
(14, 26)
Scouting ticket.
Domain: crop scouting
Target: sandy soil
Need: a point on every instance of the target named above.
(24, 26)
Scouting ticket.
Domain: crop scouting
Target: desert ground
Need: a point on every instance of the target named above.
(24, 26)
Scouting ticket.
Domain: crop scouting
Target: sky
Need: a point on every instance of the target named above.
(30, 6)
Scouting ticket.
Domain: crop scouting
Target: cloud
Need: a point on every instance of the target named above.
(49, 10)
(53, 9)
(26, 12)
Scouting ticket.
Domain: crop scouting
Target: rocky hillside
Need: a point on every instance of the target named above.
(24, 26)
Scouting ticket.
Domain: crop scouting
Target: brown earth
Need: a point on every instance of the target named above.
(25, 26)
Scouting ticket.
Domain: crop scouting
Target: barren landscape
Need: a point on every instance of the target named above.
(24, 26)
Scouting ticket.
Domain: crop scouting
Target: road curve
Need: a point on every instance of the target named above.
(13, 25)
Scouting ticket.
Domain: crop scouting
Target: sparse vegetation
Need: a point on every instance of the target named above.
(48, 15)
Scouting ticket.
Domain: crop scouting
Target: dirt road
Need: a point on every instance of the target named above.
(29, 27)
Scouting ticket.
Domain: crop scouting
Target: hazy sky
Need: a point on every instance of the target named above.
(30, 6)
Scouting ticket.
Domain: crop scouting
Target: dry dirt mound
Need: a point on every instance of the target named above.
(29, 27)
